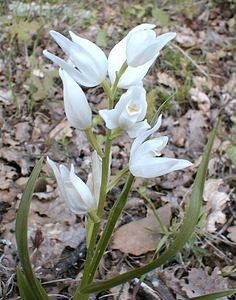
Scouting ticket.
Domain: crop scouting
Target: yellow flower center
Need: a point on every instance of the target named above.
(132, 109)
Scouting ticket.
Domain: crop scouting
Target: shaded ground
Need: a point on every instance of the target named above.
(198, 69)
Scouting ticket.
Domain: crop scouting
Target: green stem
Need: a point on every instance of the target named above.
(93, 216)
(93, 141)
(107, 89)
(102, 198)
(105, 172)
(117, 178)
(115, 84)
(111, 222)
(90, 252)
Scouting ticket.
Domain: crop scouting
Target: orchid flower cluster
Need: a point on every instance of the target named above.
(126, 65)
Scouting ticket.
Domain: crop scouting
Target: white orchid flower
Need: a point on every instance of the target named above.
(77, 109)
(129, 112)
(94, 179)
(145, 160)
(81, 198)
(139, 48)
(88, 63)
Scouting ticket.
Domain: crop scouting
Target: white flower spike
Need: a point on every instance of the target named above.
(88, 63)
(77, 109)
(129, 112)
(80, 198)
(144, 156)
(140, 48)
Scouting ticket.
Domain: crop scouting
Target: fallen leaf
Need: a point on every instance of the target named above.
(22, 131)
(59, 230)
(18, 156)
(196, 125)
(186, 37)
(199, 282)
(7, 175)
(61, 129)
(139, 237)
(6, 97)
(216, 201)
(232, 233)
(166, 80)
(202, 100)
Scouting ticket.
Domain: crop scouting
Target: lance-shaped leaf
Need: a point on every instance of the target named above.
(22, 239)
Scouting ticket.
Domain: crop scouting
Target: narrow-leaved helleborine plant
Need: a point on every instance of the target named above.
(87, 65)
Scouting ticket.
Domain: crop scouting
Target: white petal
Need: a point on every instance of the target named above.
(64, 172)
(131, 107)
(151, 147)
(137, 129)
(110, 117)
(165, 38)
(116, 59)
(77, 109)
(88, 57)
(99, 59)
(154, 167)
(62, 41)
(75, 74)
(140, 27)
(83, 191)
(59, 178)
(117, 56)
(134, 76)
(56, 172)
(97, 174)
(147, 45)
(127, 120)
(141, 48)
(143, 136)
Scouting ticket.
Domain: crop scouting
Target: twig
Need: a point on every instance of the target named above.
(190, 59)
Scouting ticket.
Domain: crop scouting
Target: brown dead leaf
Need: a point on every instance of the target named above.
(18, 156)
(201, 283)
(179, 136)
(139, 237)
(196, 136)
(166, 80)
(22, 131)
(61, 129)
(169, 278)
(232, 233)
(59, 230)
(6, 97)
(216, 201)
(7, 174)
(201, 83)
(186, 37)
(201, 99)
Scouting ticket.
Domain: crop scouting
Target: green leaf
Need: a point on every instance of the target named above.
(160, 16)
(120, 175)
(189, 223)
(24, 30)
(21, 235)
(101, 39)
(216, 295)
(231, 153)
(25, 291)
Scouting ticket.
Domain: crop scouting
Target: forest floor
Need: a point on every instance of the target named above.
(197, 70)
